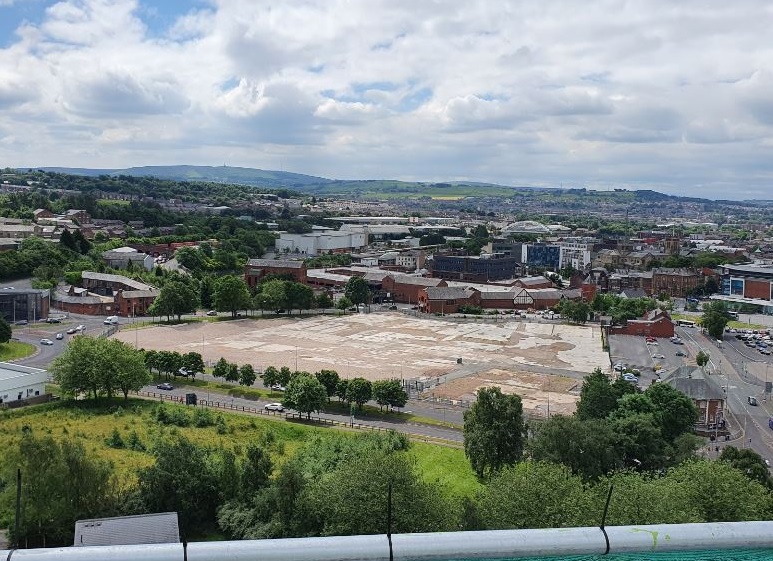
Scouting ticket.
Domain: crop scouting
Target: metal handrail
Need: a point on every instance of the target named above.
(493, 544)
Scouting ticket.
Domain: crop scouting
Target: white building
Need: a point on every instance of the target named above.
(21, 382)
(577, 252)
(321, 242)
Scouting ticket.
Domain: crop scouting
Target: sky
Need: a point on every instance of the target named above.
(602, 94)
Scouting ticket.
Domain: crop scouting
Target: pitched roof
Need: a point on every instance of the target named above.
(449, 293)
(278, 263)
(90, 275)
(497, 294)
(420, 281)
(692, 382)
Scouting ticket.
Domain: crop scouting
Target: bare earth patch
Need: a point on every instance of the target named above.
(513, 354)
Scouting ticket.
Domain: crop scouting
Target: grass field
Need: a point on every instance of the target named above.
(92, 425)
(13, 350)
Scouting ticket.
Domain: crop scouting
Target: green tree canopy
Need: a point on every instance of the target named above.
(329, 379)
(5, 331)
(597, 398)
(305, 394)
(231, 294)
(715, 318)
(493, 431)
(357, 290)
(359, 391)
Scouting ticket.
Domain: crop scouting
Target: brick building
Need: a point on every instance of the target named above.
(447, 300)
(656, 323)
(256, 269)
(677, 283)
(705, 393)
(407, 289)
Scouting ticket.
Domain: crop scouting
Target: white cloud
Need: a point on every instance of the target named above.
(606, 92)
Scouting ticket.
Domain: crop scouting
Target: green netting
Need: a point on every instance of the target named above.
(712, 555)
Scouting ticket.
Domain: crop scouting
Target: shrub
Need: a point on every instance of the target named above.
(134, 442)
(203, 418)
(220, 425)
(115, 440)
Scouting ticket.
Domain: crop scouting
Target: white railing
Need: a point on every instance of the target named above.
(498, 544)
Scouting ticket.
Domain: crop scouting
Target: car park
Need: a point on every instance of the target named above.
(59, 336)
(274, 407)
(165, 386)
(46, 342)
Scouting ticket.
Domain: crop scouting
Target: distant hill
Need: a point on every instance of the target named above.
(219, 174)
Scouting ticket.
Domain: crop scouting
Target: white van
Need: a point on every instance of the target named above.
(111, 320)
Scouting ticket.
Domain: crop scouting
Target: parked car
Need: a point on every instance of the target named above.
(53, 320)
(46, 342)
(392, 307)
(80, 328)
(650, 339)
(681, 353)
(278, 388)
(59, 336)
(274, 407)
(630, 378)
(71, 331)
(659, 356)
(212, 313)
(165, 386)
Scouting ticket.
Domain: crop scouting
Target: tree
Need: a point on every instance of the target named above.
(324, 301)
(247, 375)
(299, 296)
(352, 500)
(272, 295)
(168, 485)
(95, 366)
(715, 318)
(677, 412)
(341, 388)
(493, 431)
(255, 471)
(61, 483)
(221, 368)
(389, 392)
(359, 391)
(533, 495)
(357, 290)
(329, 379)
(587, 447)
(702, 358)
(597, 398)
(232, 373)
(231, 294)
(5, 331)
(270, 376)
(176, 298)
(305, 394)
(576, 312)
(748, 462)
(344, 303)
(193, 363)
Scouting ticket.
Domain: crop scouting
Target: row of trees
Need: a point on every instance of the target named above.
(615, 426)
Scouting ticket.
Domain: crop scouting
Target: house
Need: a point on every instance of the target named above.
(132, 303)
(79, 216)
(704, 391)
(122, 257)
(533, 282)
(256, 269)
(107, 285)
(39, 213)
(159, 527)
(447, 300)
(655, 323)
(19, 384)
(407, 289)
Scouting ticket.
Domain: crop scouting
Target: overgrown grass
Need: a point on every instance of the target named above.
(92, 423)
(447, 466)
(13, 350)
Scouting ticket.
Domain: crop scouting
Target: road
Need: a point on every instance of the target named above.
(413, 429)
(731, 364)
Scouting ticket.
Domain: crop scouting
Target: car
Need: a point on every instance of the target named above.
(80, 328)
(659, 356)
(279, 311)
(46, 342)
(59, 336)
(681, 353)
(630, 378)
(71, 331)
(183, 372)
(53, 320)
(765, 351)
(652, 342)
(212, 313)
(392, 307)
(165, 386)
(277, 388)
(650, 339)
(751, 400)
(767, 462)
(22, 322)
(619, 367)
(274, 407)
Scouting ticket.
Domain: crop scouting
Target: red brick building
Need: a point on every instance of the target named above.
(447, 300)
(656, 323)
(705, 393)
(677, 283)
(407, 289)
(256, 269)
